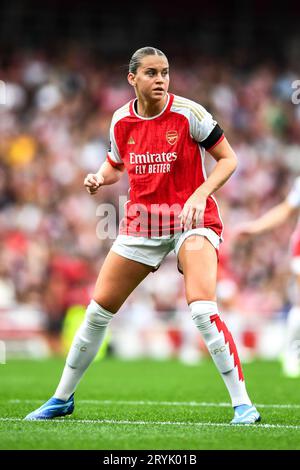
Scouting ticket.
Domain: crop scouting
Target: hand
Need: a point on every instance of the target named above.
(92, 182)
(243, 230)
(193, 211)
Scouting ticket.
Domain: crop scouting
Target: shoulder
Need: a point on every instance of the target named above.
(121, 113)
(188, 107)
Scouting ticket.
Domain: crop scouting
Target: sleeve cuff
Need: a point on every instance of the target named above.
(114, 164)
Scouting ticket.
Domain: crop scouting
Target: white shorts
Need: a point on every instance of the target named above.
(152, 251)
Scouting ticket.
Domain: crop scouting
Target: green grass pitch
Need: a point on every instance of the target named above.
(148, 405)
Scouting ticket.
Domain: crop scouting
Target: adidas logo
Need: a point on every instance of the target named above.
(131, 141)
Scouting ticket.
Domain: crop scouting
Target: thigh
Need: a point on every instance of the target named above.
(199, 263)
(118, 277)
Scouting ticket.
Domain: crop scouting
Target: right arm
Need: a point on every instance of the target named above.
(271, 219)
(111, 170)
(107, 174)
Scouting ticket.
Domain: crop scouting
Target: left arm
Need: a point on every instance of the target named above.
(193, 210)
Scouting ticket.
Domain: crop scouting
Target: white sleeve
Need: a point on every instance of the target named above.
(113, 152)
(294, 196)
(201, 123)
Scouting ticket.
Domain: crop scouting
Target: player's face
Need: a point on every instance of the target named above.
(151, 81)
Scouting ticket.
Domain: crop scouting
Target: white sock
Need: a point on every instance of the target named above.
(222, 349)
(84, 348)
(293, 330)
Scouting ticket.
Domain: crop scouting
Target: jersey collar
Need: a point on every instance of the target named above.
(165, 109)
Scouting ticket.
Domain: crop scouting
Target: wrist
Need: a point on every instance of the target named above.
(100, 176)
(202, 192)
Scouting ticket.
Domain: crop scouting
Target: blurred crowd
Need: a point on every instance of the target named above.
(54, 129)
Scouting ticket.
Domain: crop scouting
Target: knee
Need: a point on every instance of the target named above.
(198, 290)
(109, 303)
(196, 294)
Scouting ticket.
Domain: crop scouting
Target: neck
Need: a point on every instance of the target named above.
(149, 109)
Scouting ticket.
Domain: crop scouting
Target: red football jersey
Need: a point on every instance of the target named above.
(165, 163)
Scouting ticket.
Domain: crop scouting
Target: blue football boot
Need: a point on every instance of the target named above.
(245, 414)
(53, 408)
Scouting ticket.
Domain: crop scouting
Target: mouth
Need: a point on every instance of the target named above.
(159, 89)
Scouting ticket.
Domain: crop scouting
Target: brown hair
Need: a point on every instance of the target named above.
(137, 57)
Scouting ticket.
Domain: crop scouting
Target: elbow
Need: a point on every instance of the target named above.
(233, 162)
(119, 172)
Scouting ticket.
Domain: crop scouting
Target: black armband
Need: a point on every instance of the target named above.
(214, 137)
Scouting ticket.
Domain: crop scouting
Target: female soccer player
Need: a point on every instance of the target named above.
(274, 218)
(160, 140)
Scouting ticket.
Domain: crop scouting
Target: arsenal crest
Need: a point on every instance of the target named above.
(172, 137)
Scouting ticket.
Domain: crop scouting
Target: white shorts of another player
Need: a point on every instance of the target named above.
(152, 251)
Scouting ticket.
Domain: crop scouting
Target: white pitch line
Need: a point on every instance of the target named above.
(160, 423)
(164, 403)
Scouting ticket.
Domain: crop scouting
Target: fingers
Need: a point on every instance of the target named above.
(93, 182)
(183, 216)
(199, 214)
(191, 217)
(91, 190)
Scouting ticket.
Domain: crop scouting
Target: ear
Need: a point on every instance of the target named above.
(131, 79)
